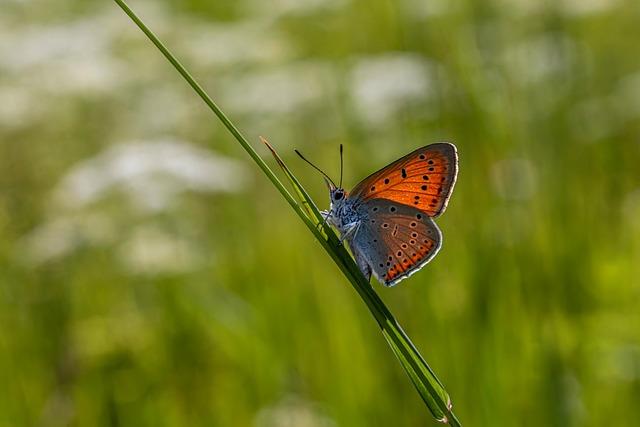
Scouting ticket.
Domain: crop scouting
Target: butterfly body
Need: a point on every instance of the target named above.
(387, 218)
(344, 213)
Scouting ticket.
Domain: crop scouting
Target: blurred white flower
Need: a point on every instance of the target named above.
(293, 411)
(236, 43)
(382, 85)
(151, 173)
(63, 234)
(537, 59)
(285, 89)
(587, 7)
(420, 9)
(151, 250)
(162, 107)
(100, 73)
(75, 57)
(36, 45)
(521, 7)
(568, 7)
(277, 8)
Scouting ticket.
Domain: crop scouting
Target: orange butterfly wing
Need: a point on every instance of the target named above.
(423, 179)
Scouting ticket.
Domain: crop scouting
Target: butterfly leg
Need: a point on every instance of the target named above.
(326, 215)
(350, 230)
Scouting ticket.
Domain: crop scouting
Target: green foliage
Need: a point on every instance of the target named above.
(214, 307)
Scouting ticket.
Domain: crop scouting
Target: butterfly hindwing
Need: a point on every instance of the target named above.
(423, 179)
(395, 239)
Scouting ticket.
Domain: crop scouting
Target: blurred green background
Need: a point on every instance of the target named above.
(150, 275)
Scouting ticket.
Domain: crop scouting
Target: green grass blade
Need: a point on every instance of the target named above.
(425, 381)
(423, 378)
(304, 197)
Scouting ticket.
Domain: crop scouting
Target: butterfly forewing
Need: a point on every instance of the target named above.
(423, 179)
(395, 239)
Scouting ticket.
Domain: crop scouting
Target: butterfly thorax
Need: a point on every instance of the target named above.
(344, 215)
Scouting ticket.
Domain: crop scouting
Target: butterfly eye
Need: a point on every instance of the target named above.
(338, 195)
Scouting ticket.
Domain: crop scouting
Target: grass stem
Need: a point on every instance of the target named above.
(424, 379)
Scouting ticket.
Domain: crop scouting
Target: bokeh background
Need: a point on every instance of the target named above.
(150, 275)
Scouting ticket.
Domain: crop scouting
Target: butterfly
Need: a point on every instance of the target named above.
(387, 219)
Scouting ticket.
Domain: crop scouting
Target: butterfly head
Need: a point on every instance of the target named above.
(336, 194)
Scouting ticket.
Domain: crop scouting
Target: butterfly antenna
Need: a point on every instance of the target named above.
(315, 167)
(341, 168)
